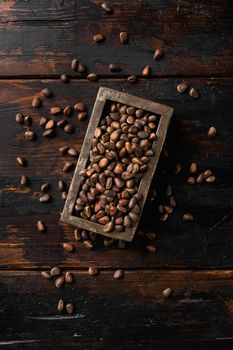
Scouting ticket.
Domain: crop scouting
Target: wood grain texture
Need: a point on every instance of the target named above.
(197, 245)
(40, 38)
(120, 314)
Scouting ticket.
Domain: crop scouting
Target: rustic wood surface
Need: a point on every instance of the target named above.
(38, 40)
(127, 314)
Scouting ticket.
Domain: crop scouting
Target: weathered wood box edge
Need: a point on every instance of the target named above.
(104, 95)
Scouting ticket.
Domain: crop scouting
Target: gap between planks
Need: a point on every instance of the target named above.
(126, 269)
(115, 77)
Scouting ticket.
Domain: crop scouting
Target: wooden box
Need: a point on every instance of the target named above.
(104, 96)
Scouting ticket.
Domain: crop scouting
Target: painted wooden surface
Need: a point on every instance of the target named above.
(40, 38)
(128, 313)
(38, 41)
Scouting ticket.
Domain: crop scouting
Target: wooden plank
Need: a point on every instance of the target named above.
(130, 313)
(38, 38)
(198, 245)
(25, 11)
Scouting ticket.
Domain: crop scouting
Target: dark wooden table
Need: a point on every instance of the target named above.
(38, 39)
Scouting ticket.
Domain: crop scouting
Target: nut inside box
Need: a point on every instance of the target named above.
(115, 211)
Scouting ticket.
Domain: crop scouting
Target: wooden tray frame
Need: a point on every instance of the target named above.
(105, 94)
